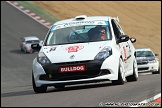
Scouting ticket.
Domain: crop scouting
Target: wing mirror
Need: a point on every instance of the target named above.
(156, 54)
(123, 38)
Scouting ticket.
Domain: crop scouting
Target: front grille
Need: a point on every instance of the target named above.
(92, 70)
(74, 76)
(146, 68)
(70, 76)
(142, 62)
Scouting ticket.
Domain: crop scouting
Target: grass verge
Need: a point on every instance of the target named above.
(38, 11)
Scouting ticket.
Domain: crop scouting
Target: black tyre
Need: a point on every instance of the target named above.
(41, 89)
(157, 72)
(21, 49)
(134, 76)
(121, 78)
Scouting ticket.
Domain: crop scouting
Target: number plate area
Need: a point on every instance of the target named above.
(77, 68)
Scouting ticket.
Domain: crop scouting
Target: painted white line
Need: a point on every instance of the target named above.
(16, 3)
(42, 21)
(21, 7)
(26, 10)
(37, 17)
(32, 14)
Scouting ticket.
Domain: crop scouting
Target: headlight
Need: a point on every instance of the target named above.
(42, 59)
(104, 53)
(152, 61)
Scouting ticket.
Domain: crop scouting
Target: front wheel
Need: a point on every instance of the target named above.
(41, 89)
(157, 72)
(121, 75)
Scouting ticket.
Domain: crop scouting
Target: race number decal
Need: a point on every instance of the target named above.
(74, 48)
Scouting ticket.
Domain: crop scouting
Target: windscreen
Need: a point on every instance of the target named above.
(78, 33)
(32, 41)
(144, 54)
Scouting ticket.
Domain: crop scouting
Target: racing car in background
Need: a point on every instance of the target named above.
(26, 42)
(82, 50)
(147, 61)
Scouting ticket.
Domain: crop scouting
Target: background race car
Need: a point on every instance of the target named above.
(26, 42)
(147, 61)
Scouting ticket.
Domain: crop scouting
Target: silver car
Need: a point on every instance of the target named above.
(26, 42)
(147, 61)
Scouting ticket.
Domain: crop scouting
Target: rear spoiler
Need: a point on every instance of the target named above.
(116, 18)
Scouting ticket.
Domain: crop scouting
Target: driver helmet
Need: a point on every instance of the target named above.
(101, 33)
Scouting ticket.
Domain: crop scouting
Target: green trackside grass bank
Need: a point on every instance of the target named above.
(38, 11)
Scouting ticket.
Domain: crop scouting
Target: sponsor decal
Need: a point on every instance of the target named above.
(79, 68)
(79, 23)
(100, 23)
(71, 24)
(74, 48)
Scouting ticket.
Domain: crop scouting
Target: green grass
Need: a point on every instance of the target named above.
(38, 11)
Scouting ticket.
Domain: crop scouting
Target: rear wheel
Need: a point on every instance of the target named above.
(133, 77)
(121, 75)
(41, 89)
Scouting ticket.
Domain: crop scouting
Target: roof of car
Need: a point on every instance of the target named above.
(143, 49)
(31, 38)
(86, 18)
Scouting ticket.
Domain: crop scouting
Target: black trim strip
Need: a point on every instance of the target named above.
(128, 56)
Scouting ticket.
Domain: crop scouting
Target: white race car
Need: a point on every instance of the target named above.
(82, 50)
(147, 61)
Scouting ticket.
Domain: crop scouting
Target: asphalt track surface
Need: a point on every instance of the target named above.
(16, 67)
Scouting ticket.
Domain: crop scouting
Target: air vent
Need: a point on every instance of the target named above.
(80, 17)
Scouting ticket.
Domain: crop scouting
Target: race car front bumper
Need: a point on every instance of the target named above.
(150, 67)
(96, 70)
